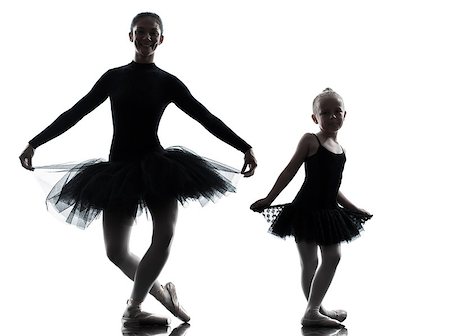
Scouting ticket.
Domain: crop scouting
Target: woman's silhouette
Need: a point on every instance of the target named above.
(140, 174)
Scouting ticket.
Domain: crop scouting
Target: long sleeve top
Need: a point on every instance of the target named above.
(139, 94)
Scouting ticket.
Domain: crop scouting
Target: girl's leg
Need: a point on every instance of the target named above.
(319, 287)
(117, 230)
(309, 263)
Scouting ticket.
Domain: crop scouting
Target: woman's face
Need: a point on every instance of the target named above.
(146, 36)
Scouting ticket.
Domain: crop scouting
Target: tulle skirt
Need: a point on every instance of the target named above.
(88, 188)
(322, 226)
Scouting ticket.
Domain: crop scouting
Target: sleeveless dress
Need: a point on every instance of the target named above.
(314, 215)
(139, 172)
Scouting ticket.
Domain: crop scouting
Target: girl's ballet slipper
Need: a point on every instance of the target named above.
(338, 314)
(321, 321)
(180, 330)
(175, 308)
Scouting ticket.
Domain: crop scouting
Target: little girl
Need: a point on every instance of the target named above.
(320, 215)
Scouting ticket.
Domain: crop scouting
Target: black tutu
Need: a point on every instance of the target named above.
(322, 226)
(88, 188)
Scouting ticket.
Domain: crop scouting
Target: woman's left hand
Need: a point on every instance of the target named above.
(250, 162)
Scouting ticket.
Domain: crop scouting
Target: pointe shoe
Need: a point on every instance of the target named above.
(321, 321)
(175, 308)
(338, 314)
(133, 316)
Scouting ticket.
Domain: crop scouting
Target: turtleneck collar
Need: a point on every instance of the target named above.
(143, 65)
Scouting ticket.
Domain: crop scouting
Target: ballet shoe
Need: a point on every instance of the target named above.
(180, 330)
(338, 314)
(133, 317)
(175, 308)
(321, 331)
(321, 321)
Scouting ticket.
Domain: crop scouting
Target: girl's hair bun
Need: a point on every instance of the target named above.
(325, 93)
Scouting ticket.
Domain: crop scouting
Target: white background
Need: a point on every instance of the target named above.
(257, 65)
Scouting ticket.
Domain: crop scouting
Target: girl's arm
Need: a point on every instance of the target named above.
(302, 152)
(345, 203)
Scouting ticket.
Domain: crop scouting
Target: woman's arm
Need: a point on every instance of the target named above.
(192, 107)
(85, 105)
(184, 100)
(301, 153)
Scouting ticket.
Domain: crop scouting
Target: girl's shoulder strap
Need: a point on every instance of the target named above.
(320, 144)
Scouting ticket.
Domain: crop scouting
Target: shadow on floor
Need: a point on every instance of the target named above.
(156, 330)
(311, 331)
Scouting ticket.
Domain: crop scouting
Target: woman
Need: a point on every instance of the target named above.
(140, 174)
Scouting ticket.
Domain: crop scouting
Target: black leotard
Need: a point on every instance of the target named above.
(139, 93)
(314, 215)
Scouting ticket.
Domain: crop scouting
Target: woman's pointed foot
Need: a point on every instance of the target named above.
(316, 319)
(169, 299)
(338, 314)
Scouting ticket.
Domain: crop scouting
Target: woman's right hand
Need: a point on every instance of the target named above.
(26, 156)
(260, 205)
(250, 162)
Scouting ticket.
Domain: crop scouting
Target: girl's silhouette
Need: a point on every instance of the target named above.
(320, 215)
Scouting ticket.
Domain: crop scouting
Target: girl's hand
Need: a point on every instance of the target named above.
(260, 205)
(364, 212)
(250, 162)
(26, 156)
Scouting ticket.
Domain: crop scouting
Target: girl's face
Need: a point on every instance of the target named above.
(330, 114)
(146, 36)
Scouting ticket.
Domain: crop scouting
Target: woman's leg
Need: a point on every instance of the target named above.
(319, 287)
(116, 231)
(164, 219)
